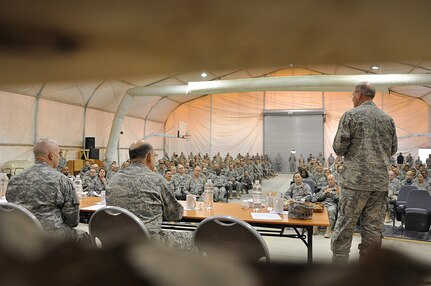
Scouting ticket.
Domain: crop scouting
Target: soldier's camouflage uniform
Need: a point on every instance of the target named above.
(330, 201)
(196, 186)
(299, 192)
(366, 137)
(146, 194)
(50, 196)
(292, 163)
(220, 183)
(93, 186)
(180, 184)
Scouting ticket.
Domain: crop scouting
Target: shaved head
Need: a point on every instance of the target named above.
(44, 146)
(47, 150)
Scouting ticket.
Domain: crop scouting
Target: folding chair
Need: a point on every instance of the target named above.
(400, 205)
(418, 211)
(112, 226)
(232, 235)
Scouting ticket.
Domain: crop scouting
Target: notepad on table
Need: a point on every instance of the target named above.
(268, 216)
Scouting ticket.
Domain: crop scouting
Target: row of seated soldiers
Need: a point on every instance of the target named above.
(189, 175)
(419, 177)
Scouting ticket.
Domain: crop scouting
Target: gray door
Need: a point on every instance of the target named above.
(288, 129)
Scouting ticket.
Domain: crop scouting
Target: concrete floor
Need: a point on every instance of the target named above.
(293, 250)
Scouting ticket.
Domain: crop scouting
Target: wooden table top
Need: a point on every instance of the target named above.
(235, 210)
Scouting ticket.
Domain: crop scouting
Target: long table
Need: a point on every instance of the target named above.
(89, 205)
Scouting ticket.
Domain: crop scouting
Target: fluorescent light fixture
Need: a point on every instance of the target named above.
(375, 67)
(204, 74)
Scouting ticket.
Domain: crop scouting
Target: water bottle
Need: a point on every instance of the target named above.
(257, 196)
(103, 197)
(208, 195)
(4, 180)
(78, 186)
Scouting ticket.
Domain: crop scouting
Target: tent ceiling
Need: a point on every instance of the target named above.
(107, 94)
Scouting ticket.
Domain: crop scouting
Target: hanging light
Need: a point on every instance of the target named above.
(204, 74)
(375, 67)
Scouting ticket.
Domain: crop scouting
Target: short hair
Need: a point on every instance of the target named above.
(366, 89)
(140, 152)
(44, 146)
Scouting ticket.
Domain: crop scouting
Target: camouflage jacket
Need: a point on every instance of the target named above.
(48, 194)
(298, 192)
(329, 198)
(366, 137)
(196, 186)
(144, 193)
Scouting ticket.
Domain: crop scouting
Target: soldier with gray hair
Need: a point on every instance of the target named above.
(367, 139)
(146, 194)
(48, 194)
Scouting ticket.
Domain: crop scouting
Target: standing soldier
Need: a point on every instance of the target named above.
(278, 163)
(365, 134)
(292, 163)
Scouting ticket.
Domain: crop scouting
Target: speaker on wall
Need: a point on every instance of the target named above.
(90, 142)
(94, 153)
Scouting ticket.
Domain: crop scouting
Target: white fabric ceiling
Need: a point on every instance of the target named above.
(106, 95)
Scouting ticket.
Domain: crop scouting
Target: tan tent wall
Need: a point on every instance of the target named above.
(234, 121)
(64, 123)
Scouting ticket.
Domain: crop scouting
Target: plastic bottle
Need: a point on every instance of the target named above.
(257, 196)
(4, 180)
(208, 195)
(103, 197)
(78, 186)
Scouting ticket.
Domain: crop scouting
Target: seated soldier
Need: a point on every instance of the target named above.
(168, 178)
(421, 184)
(220, 183)
(408, 181)
(180, 183)
(298, 191)
(65, 171)
(246, 181)
(48, 194)
(329, 195)
(393, 189)
(91, 184)
(197, 182)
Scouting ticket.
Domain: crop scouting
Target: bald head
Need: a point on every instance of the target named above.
(139, 149)
(47, 150)
(44, 146)
(366, 89)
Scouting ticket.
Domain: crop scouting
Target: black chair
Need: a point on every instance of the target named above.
(232, 235)
(417, 215)
(400, 205)
(310, 183)
(112, 226)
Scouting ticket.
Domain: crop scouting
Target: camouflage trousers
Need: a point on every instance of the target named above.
(219, 193)
(370, 208)
(175, 239)
(332, 213)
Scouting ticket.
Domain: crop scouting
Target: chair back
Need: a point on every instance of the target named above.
(419, 199)
(231, 235)
(11, 213)
(21, 232)
(404, 192)
(112, 226)
(310, 183)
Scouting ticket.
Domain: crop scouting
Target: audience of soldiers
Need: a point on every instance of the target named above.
(183, 175)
